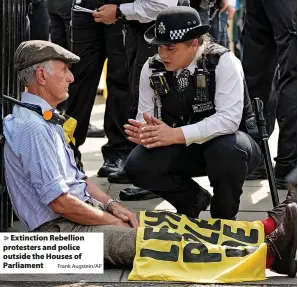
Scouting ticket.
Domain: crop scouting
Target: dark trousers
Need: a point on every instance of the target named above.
(60, 16)
(270, 38)
(39, 20)
(218, 29)
(137, 53)
(94, 42)
(168, 171)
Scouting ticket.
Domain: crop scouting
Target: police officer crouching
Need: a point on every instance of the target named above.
(192, 107)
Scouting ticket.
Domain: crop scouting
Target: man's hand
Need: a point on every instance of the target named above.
(124, 214)
(160, 135)
(106, 14)
(134, 129)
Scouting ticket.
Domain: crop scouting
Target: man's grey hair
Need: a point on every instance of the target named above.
(26, 76)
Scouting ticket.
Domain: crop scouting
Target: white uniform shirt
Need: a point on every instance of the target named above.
(228, 100)
(145, 11)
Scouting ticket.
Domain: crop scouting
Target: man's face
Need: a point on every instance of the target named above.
(58, 80)
(178, 56)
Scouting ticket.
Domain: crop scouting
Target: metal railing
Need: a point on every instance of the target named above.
(12, 33)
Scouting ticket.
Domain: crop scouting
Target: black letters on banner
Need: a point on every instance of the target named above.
(236, 252)
(203, 256)
(213, 239)
(172, 255)
(162, 218)
(232, 243)
(201, 223)
(240, 235)
(161, 234)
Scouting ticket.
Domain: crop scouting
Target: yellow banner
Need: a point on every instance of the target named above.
(173, 247)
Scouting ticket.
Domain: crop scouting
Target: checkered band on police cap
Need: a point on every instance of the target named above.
(178, 34)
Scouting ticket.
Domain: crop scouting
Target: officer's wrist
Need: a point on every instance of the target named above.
(179, 136)
(119, 14)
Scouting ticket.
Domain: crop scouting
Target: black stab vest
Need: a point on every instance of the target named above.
(182, 108)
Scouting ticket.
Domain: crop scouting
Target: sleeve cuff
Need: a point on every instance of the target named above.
(191, 134)
(128, 10)
(82, 175)
(53, 189)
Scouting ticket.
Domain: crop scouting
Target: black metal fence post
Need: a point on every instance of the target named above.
(12, 33)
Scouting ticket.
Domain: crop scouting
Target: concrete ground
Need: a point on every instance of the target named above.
(255, 202)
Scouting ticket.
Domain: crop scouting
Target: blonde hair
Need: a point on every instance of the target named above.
(202, 40)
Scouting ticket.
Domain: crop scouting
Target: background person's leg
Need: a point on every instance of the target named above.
(143, 52)
(60, 16)
(117, 104)
(39, 20)
(88, 43)
(58, 35)
(283, 17)
(259, 55)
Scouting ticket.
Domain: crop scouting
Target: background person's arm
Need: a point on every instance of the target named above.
(145, 11)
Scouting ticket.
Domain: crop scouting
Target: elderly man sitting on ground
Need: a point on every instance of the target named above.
(47, 190)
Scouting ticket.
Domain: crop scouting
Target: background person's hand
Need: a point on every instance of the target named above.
(124, 214)
(224, 5)
(106, 14)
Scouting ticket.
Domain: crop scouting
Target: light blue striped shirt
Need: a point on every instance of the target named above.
(39, 165)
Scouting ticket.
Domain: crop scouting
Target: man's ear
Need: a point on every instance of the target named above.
(40, 76)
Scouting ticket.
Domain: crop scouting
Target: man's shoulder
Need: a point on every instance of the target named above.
(25, 123)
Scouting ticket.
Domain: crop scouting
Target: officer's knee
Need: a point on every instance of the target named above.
(228, 148)
(135, 166)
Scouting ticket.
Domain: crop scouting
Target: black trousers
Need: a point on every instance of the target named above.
(39, 20)
(137, 53)
(168, 171)
(60, 16)
(94, 42)
(270, 38)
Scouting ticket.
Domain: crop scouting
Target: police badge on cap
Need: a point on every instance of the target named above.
(175, 25)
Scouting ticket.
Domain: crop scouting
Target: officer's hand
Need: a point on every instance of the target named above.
(106, 14)
(134, 129)
(160, 135)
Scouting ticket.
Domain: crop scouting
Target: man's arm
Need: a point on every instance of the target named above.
(39, 158)
(74, 209)
(114, 207)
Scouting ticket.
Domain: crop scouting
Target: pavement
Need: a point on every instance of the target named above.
(255, 201)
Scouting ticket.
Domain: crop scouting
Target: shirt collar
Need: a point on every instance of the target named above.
(192, 66)
(35, 100)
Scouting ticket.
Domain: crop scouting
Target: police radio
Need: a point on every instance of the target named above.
(202, 81)
(159, 83)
